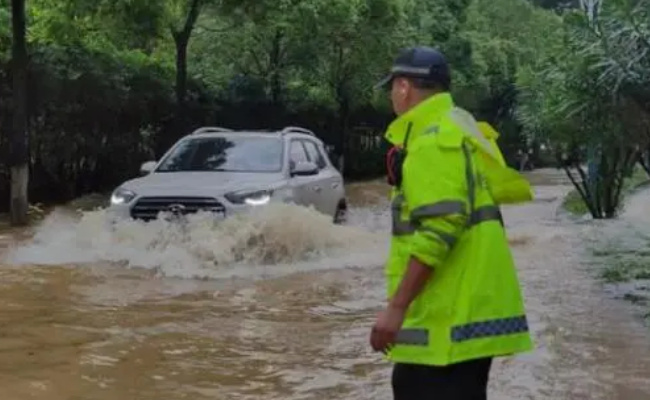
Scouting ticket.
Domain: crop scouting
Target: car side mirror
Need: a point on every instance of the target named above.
(147, 167)
(304, 168)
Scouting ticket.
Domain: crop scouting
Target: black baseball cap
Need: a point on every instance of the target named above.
(424, 63)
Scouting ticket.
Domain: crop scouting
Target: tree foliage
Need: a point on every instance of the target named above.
(588, 95)
(115, 82)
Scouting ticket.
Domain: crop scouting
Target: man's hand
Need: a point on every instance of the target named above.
(389, 321)
(388, 324)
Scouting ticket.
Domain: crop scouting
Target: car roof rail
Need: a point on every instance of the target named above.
(297, 129)
(211, 129)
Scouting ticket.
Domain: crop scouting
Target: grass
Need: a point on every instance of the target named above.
(623, 264)
(627, 270)
(574, 204)
(626, 266)
(621, 252)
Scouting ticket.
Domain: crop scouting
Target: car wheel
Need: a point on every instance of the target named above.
(340, 217)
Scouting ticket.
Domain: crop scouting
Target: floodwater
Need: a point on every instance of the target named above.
(278, 305)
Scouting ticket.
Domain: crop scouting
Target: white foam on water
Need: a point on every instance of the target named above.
(272, 240)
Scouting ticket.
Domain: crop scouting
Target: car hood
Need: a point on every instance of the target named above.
(201, 183)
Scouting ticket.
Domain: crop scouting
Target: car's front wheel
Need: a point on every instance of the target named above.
(340, 217)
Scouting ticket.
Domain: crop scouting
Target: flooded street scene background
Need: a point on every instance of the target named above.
(278, 304)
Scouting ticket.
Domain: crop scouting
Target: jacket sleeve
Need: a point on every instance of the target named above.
(435, 189)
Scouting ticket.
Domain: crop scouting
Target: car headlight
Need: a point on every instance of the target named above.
(256, 198)
(122, 196)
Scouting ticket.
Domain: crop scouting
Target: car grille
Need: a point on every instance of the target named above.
(148, 208)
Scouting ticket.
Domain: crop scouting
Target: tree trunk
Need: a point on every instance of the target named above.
(275, 60)
(19, 145)
(581, 189)
(643, 161)
(182, 40)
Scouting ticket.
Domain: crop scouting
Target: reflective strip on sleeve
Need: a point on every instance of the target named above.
(484, 214)
(400, 228)
(489, 328)
(440, 209)
(403, 228)
(450, 240)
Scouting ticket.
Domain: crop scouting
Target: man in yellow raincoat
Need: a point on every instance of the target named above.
(454, 301)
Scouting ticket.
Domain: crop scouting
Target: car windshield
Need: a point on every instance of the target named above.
(225, 153)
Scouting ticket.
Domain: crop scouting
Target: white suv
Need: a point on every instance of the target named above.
(225, 172)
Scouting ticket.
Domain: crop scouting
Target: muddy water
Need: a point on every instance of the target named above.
(278, 306)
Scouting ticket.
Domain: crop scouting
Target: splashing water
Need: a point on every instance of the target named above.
(279, 235)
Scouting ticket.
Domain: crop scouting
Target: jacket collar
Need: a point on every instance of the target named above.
(419, 117)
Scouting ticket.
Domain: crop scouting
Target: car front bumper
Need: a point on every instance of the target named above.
(118, 212)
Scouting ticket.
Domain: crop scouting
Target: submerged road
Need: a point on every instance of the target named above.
(152, 312)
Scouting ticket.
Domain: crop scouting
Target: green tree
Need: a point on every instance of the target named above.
(591, 94)
(503, 37)
(112, 80)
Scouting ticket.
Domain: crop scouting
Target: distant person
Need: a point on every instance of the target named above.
(454, 300)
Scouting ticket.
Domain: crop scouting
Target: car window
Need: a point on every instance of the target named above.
(225, 153)
(314, 154)
(297, 153)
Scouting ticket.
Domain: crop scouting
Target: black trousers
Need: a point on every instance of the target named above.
(463, 381)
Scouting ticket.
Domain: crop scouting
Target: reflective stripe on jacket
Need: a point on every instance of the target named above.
(445, 216)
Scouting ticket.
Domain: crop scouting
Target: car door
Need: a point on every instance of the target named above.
(326, 183)
(303, 192)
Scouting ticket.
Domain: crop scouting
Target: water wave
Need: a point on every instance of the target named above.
(280, 236)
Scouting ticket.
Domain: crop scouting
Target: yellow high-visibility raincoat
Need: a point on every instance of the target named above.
(446, 215)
